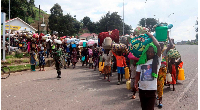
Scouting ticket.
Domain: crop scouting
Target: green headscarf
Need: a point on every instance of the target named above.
(143, 57)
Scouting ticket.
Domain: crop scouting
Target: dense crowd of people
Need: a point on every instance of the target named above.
(148, 74)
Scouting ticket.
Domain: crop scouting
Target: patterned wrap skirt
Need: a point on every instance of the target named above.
(106, 70)
(160, 81)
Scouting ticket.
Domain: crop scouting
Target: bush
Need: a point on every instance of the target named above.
(9, 56)
(26, 54)
(19, 55)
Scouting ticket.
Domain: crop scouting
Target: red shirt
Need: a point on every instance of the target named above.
(121, 61)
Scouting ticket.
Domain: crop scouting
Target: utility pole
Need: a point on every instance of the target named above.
(9, 28)
(123, 17)
(3, 16)
(39, 21)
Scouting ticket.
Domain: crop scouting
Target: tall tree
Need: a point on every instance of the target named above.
(56, 15)
(18, 8)
(86, 20)
(150, 22)
(77, 26)
(65, 26)
(196, 29)
(127, 29)
(92, 27)
(113, 21)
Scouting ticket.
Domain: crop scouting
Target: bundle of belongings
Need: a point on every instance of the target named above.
(173, 53)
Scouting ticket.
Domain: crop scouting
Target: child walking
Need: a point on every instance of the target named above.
(147, 73)
(33, 59)
(90, 57)
(41, 58)
(133, 61)
(121, 64)
(107, 66)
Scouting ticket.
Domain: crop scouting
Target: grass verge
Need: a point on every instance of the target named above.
(18, 68)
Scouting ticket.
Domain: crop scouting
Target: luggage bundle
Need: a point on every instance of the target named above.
(107, 43)
(119, 47)
(114, 35)
(138, 44)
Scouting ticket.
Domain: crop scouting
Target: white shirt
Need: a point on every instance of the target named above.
(147, 82)
(107, 59)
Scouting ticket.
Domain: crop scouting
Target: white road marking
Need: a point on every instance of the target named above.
(185, 90)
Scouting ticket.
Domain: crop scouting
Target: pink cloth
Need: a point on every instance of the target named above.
(29, 46)
(132, 57)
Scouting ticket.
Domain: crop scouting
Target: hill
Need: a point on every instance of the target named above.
(34, 21)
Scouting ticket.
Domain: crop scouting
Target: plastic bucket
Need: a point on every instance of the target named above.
(101, 67)
(127, 75)
(181, 75)
(128, 84)
(161, 33)
(84, 44)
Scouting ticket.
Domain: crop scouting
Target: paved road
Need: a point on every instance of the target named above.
(84, 89)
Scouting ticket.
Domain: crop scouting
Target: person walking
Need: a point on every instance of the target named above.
(162, 71)
(121, 64)
(33, 59)
(107, 65)
(57, 58)
(41, 58)
(95, 58)
(74, 57)
(147, 73)
(84, 54)
(48, 45)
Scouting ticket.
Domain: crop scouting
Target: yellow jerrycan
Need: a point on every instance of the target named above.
(101, 67)
(127, 75)
(128, 84)
(181, 75)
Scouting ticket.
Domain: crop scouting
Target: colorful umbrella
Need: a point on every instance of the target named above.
(81, 42)
(90, 43)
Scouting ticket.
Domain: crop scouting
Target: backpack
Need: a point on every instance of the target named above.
(90, 52)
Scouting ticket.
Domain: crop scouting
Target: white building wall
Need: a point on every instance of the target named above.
(17, 22)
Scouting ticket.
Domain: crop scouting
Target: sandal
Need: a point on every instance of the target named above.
(118, 83)
(160, 106)
(133, 97)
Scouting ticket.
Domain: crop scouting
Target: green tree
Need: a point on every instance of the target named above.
(196, 29)
(92, 27)
(77, 26)
(18, 8)
(54, 18)
(112, 21)
(150, 22)
(86, 20)
(65, 26)
(127, 29)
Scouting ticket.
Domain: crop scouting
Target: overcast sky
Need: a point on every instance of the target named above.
(183, 19)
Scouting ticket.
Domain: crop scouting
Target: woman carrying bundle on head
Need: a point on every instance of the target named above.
(74, 57)
(107, 65)
(147, 73)
(174, 61)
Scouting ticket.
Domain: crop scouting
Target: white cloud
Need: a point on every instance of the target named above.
(185, 30)
(185, 12)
